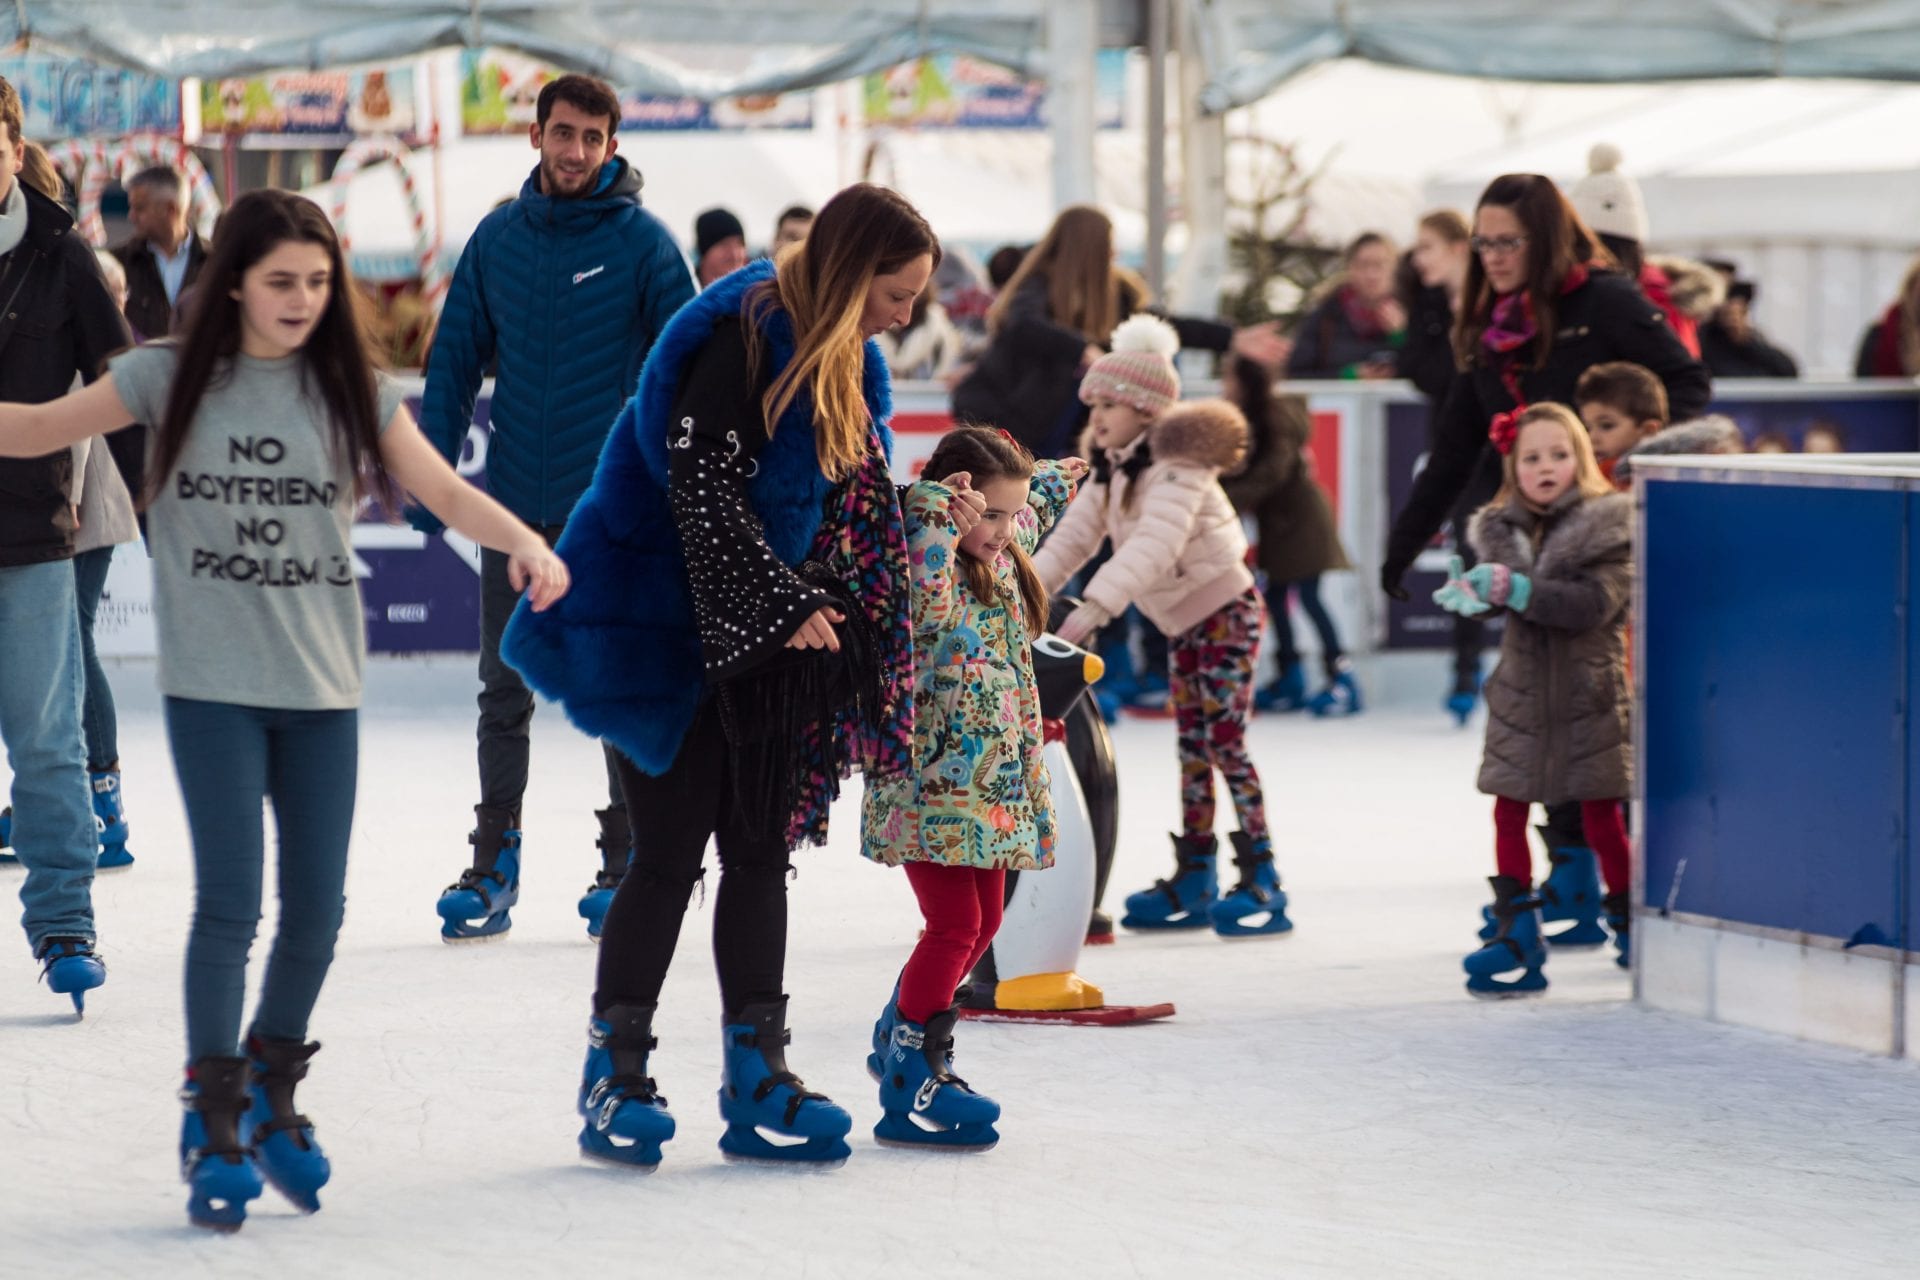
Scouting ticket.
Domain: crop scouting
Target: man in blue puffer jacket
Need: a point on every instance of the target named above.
(565, 289)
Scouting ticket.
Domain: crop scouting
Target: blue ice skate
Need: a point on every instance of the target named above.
(769, 1111)
(214, 1163)
(1465, 696)
(110, 820)
(1286, 692)
(883, 1029)
(1620, 920)
(625, 1117)
(1571, 893)
(476, 906)
(1515, 946)
(7, 857)
(281, 1138)
(923, 1103)
(1182, 902)
(1257, 906)
(616, 851)
(70, 968)
(1341, 697)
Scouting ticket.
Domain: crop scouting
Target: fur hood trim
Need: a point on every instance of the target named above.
(1715, 433)
(1582, 532)
(1696, 288)
(1212, 433)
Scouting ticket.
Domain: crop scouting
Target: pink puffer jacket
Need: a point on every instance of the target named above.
(1179, 551)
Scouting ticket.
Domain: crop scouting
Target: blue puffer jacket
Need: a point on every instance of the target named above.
(621, 652)
(568, 296)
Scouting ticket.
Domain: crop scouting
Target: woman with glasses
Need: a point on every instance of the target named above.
(1543, 303)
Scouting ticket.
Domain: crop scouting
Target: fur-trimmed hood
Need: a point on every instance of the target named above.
(1714, 433)
(1697, 289)
(1579, 532)
(1211, 433)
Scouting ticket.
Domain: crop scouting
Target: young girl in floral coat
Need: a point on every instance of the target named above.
(977, 803)
(1179, 553)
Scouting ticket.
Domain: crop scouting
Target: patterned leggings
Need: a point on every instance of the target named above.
(1212, 679)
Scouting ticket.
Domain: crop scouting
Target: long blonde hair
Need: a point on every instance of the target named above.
(1587, 476)
(822, 283)
(1075, 258)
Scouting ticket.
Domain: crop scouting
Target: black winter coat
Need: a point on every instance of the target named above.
(1028, 380)
(1756, 358)
(1298, 538)
(56, 319)
(1326, 345)
(1426, 358)
(148, 310)
(1607, 318)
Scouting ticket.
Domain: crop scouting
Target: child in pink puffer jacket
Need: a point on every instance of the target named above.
(1180, 554)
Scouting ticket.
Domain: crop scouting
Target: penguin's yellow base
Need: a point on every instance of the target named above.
(1047, 992)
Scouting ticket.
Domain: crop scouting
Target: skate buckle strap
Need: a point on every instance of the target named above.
(800, 1093)
(279, 1124)
(609, 1092)
(473, 878)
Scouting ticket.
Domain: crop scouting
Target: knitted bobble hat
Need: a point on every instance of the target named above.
(1608, 200)
(1139, 370)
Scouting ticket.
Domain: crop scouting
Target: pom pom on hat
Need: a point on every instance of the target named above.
(1146, 333)
(1139, 370)
(1607, 200)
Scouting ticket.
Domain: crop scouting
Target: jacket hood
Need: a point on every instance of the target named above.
(1582, 532)
(1212, 433)
(1715, 433)
(1697, 289)
(619, 184)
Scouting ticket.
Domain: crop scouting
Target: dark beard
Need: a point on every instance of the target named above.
(550, 184)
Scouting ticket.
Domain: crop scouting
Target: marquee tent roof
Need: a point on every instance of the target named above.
(1247, 46)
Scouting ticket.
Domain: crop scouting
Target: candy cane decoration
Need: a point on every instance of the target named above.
(91, 165)
(367, 151)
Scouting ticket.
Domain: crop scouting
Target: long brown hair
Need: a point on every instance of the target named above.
(335, 362)
(1557, 242)
(1587, 476)
(821, 283)
(985, 454)
(1075, 258)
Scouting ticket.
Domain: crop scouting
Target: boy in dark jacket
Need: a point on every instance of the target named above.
(58, 321)
(566, 288)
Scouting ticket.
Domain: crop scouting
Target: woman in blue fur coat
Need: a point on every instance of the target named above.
(739, 632)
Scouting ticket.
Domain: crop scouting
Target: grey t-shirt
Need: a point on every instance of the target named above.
(255, 597)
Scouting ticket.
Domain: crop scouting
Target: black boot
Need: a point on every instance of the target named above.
(282, 1139)
(616, 850)
(214, 1158)
(477, 904)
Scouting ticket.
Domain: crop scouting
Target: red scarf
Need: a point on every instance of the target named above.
(1363, 317)
(1511, 327)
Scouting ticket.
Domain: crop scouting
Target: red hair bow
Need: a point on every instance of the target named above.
(1505, 429)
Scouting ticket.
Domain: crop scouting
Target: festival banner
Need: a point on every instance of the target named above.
(499, 92)
(66, 98)
(955, 91)
(313, 105)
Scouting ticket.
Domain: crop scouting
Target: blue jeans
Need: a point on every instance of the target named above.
(53, 831)
(231, 760)
(102, 726)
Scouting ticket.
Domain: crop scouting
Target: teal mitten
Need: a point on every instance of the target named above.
(1499, 585)
(1458, 595)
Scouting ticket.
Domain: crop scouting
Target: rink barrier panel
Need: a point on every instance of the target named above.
(1777, 875)
(420, 593)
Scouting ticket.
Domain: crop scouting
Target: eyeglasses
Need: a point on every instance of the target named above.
(1497, 246)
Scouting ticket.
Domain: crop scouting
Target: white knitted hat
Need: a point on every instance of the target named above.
(1608, 200)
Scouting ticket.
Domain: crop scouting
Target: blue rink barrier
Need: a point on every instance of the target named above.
(1778, 882)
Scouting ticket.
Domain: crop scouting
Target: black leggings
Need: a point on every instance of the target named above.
(673, 815)
(1308, 590)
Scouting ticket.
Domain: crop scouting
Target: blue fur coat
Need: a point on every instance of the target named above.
(621, 652)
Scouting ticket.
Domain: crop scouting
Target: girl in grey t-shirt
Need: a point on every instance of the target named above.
(267, 425)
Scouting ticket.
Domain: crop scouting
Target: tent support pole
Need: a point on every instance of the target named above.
(1156, 126)
(1073, 39)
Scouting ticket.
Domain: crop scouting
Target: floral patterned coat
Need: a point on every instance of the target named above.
(978, 795)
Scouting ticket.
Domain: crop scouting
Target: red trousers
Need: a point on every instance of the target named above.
(962, 906)
(1606, 836)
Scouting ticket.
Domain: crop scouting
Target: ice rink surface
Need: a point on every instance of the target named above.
(1326, 1104)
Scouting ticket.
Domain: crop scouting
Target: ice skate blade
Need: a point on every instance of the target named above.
(1235, 931)
(463, 937)
(745, 1144)
(612, 1161)
(1192, 920)
(307, 1202)
(1519, 989)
